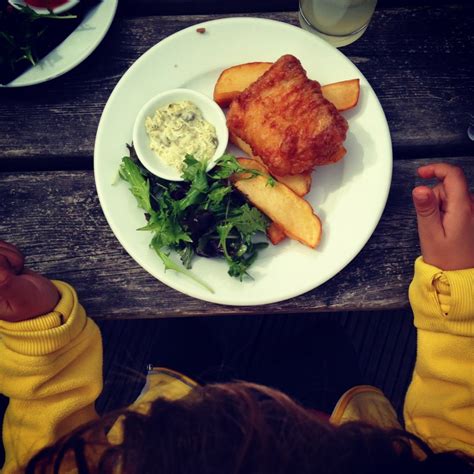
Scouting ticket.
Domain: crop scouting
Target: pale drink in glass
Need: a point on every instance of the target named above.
(340, 22)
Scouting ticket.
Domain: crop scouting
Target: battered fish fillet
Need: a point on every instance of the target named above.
(286, 120)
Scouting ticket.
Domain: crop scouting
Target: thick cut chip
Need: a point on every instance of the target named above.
(234, 80)
(299, 183)
(344, 95)
(275, 233)
(287, 122)
(291, 213)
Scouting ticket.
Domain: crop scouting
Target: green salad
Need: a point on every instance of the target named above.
(201, 215)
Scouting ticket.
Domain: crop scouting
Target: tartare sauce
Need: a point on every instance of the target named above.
(179, 129)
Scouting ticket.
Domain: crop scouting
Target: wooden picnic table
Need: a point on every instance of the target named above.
(418, 58)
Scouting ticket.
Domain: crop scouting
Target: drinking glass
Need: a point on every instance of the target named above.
(340, 22)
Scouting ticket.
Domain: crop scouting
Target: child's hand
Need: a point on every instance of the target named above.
(445, 216)
(23, 293)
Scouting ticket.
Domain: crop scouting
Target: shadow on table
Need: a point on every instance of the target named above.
(314, 357)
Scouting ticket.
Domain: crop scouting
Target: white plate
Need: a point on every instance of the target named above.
(349, 196)
(74, 49)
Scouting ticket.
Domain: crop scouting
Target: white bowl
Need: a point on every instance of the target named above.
(210, 111)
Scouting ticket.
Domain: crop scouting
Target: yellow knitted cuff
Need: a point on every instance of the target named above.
(436, 311)
(50, 332)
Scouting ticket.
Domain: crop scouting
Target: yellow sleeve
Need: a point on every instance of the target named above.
(439, 406)
(51, 370)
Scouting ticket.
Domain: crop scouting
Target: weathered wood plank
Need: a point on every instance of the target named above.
(56, 219)
(419, 61)
(200, 7)
(192, 7)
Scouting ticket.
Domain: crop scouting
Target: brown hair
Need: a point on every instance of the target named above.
(240, 428)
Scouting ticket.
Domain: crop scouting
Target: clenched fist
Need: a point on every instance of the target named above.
(23, 294)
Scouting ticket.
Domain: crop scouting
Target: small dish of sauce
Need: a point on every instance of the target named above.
(179, 129)
(177, 123)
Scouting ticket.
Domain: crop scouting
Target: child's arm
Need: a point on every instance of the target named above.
(50, 360)
(439, 405)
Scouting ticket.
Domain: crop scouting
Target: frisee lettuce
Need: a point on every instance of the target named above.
(202, 215)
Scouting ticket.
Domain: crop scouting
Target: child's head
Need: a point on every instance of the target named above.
(240, 428)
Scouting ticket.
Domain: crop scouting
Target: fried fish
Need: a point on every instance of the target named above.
(285, 119)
